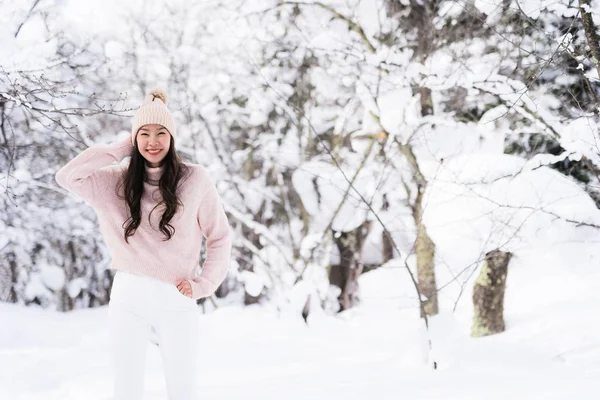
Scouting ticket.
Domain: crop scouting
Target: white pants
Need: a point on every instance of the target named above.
(139, 304)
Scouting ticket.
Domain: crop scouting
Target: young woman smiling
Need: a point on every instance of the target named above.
(153, 213)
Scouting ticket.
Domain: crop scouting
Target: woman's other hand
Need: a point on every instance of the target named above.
(184, 288)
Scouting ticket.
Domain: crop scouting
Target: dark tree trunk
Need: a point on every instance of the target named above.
(388, 248)
(426, 101)
(591, 36)
(345, 274)
(12, 281)
(488, 294)
(386, 240)
(590, 32)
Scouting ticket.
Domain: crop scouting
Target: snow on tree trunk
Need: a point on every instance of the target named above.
(345, 274)
(488, 294)
(247, 255)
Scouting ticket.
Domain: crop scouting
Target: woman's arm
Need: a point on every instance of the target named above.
(215, 228)
(80, 174)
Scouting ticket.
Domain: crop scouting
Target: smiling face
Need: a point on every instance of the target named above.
(153, 142)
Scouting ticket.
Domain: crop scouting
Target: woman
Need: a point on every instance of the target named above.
(152, 214)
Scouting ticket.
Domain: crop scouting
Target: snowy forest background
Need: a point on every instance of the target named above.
(363, 149)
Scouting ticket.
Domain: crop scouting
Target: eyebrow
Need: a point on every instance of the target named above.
(159, 129)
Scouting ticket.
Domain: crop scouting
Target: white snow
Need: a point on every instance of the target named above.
(53, 276)
(549, 351)
(253, 283)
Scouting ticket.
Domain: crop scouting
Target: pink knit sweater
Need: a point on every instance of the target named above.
(91, 176)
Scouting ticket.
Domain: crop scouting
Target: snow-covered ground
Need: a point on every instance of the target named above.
(377, 351)
(551, 346)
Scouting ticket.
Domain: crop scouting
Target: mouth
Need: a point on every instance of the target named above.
(154, 152)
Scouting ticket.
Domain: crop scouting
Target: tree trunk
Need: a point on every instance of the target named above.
(426, 101)
(11, 297)
(386, 239)
(488, 294)
(424, 246)
(345, 274)
(591, 36)
(425, 249)
(388, 247)
(590, 32)
(247, 256)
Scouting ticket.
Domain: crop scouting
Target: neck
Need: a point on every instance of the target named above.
(153, 174)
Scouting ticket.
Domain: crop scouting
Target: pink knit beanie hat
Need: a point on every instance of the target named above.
(153, 111)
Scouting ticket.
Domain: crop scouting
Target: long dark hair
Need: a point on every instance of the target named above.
(133, 183)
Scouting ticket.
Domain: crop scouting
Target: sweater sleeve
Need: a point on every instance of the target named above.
(215, 228)
(80, 175)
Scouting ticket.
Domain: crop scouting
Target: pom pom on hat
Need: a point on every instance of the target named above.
(153, 111)
(157, 93)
